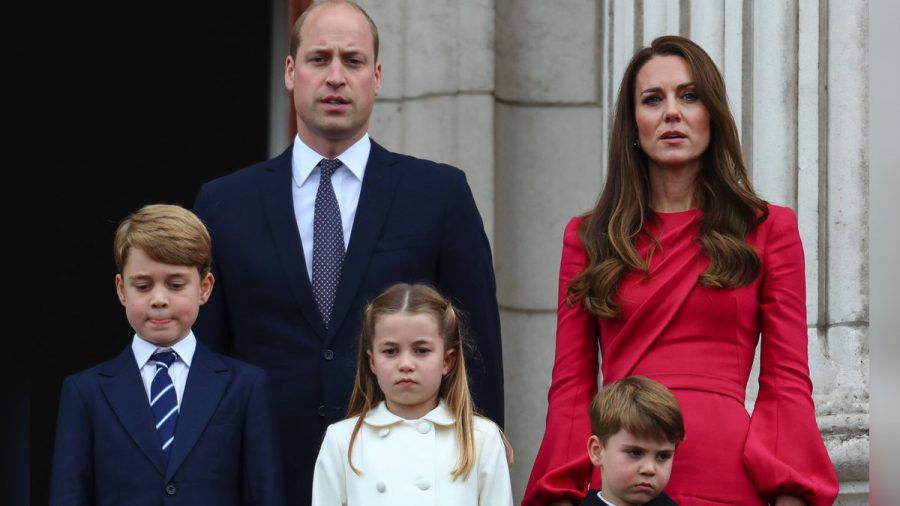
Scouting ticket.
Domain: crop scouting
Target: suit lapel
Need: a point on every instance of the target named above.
(207, 380)
(121, 383)
(378, 186)
(275, 186)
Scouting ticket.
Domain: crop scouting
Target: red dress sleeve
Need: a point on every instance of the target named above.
(784, 452)
(562, 467)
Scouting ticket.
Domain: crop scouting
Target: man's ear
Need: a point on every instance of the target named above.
(289, 73)
(595, 450)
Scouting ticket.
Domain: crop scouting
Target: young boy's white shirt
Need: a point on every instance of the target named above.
(408, 462)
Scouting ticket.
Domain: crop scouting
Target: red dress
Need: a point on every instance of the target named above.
(700, 343)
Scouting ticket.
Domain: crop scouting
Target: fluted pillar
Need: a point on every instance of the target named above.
(436, 99)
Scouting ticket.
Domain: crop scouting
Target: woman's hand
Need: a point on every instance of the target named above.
(789, 500)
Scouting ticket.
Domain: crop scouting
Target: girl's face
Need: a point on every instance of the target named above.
(409, 360)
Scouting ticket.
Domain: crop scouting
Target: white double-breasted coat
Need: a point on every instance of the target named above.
(408, 462)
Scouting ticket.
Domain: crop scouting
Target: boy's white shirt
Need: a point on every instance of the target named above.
(184, 348)
(408, 462)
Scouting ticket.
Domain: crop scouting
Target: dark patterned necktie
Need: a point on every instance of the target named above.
(163, 401)
(328, 241)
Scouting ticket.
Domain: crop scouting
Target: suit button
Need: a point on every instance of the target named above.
(384, 432)
(322, 411)
(423, 485)
(171, 489)
(380, 487)
(423, 427)
(328, 355)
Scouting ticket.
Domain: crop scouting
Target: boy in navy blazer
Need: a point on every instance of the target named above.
(167, 421)
(636, 424)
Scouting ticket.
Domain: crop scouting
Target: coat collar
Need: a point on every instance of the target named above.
(375, 198)
(121, 383)
(380, 416)
(207, 381)
(275, 191)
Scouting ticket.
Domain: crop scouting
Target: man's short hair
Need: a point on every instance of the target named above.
(298, 25)
(639, 405)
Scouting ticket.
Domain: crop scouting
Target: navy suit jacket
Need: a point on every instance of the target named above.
(416, 222)
(107, 450)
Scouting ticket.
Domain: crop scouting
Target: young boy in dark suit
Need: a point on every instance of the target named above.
(167, 421)
(636, 424)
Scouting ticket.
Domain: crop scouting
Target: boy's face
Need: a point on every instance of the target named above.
(634, 469)
(161, 300)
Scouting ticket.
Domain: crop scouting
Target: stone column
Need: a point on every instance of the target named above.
(436, 99)
(549, 159)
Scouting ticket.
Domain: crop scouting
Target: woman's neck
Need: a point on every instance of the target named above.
(673, 189)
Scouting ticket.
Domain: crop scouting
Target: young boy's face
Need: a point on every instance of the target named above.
(634, 469)
(161, 300)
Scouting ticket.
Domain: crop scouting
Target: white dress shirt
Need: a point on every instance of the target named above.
(347, 183)
(408, 463)
(143, 350)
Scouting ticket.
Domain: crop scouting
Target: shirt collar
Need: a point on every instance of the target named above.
(380, 416)
(304, 159)
(143, 349)
(600, 495)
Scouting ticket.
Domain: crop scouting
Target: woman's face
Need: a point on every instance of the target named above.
(672, 122)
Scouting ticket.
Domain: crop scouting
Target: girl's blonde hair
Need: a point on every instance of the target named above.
(419, 299)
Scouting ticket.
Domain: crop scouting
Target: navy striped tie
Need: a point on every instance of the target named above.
(163, 401)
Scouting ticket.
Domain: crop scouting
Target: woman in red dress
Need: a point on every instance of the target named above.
(677, 274)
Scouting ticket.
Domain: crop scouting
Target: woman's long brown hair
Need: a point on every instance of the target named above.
(731, 209)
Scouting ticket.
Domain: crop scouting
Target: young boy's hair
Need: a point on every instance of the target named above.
(639, 405)
(402, 298)
(167, 233)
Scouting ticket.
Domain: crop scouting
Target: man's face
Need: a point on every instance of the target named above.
(334, 78)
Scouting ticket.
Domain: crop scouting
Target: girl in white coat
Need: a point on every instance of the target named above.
(411, 436)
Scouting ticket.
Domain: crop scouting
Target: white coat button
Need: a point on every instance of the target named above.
(423, 485)
(380, 487)
(384, 432)
(424, 427)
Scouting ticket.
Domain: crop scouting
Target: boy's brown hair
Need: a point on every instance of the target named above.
(167, 233)
(639, 405)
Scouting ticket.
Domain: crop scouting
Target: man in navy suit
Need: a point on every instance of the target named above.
(400, 219)
(167, 420)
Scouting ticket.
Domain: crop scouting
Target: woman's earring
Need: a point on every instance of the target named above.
(636, 143)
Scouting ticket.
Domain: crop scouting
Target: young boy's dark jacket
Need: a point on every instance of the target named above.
(107, 451)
